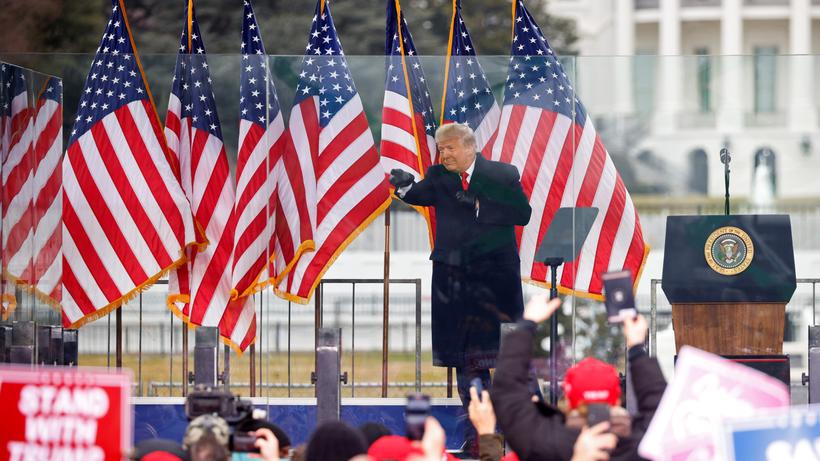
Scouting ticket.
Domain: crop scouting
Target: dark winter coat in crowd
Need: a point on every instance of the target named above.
(541, 434)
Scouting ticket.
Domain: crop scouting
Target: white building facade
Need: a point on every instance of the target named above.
(697, 75)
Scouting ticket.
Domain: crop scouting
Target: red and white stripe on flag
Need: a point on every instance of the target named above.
(563, 164)
(47, 261)
(195, 140)
(547, 134)
(267, 241)
(17, 182)
(126, 220)
(345, 184)
(408, 121)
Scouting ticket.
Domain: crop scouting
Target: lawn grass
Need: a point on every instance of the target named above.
(273, 368)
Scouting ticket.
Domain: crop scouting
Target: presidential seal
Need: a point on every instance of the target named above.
(729, 250)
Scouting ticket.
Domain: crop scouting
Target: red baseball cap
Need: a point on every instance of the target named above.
(592, 381)
(392, 447)
(397, 448)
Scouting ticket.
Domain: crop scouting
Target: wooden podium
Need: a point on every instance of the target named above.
(730, 329)
(728, 279)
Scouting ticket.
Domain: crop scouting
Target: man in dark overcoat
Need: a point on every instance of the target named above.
(476, 270)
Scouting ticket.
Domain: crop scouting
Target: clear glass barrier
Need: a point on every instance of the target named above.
(663, 121)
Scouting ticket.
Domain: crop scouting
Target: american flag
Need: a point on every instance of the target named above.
(17, 180)
(546, 133)
(262, 139)
(194, 135)
(467, 97)
(344, 181)
(263, 143)
(47, 260)
(126, 221)
(408, 122)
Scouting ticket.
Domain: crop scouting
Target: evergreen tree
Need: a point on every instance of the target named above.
(71, 25)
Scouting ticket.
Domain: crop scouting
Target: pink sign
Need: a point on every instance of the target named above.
(706, 390)
(61, 413)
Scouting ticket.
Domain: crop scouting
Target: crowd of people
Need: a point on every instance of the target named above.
(511, 422)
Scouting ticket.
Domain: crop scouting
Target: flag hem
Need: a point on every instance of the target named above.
(256, 286)
(31, 288)
(148, 283)
(305, 300)
(584, 294)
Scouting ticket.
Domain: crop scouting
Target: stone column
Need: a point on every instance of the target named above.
(669, 89)
(802, 111)
(731, 108)
(624, 16)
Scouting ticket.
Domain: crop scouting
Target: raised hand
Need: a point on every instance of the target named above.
(540, 307)
(594, 443)
(400, 178)
(635, 329)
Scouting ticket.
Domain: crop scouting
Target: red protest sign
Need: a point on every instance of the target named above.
(71, 414)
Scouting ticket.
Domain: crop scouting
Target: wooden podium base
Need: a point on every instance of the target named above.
(730, 329)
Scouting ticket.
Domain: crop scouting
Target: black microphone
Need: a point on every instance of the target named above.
(725, 156)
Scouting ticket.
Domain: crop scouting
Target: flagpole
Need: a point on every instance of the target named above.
(447, 61)
(119, 337)
(424, 211)
(189, 27)
(386, 317)
(184, 359)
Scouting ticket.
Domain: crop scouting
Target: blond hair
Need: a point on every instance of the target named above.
(457, 131)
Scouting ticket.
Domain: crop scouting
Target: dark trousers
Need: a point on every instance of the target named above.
(464, 375)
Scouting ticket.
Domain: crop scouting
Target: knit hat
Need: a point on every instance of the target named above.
(206, 424)
(592, 381)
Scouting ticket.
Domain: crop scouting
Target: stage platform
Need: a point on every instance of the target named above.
(164, 417)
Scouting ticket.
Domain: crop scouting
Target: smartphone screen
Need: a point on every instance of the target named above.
(415, 415)
(619, 297)
(478, 385)
(597, 413)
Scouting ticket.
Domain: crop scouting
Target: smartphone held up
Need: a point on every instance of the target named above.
(619, 297)
(415, 415)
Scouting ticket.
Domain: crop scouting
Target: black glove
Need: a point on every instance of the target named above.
(400, 178)
(466, 198)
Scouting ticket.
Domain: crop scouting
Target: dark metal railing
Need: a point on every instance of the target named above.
(318, 297)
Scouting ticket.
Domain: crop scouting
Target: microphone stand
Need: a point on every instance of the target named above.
(553, 264)
(725, 158)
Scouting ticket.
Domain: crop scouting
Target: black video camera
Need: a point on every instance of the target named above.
(234, 410)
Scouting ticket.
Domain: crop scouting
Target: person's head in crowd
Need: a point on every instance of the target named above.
(209, 448)
(457, 146)
(335, 441)
(590, 382)
(399, 448)
(159, 450)
(282, 438)
(393, 448)
(373, 431)
(203, 425)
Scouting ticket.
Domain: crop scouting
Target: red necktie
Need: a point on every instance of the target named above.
(464, 183)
